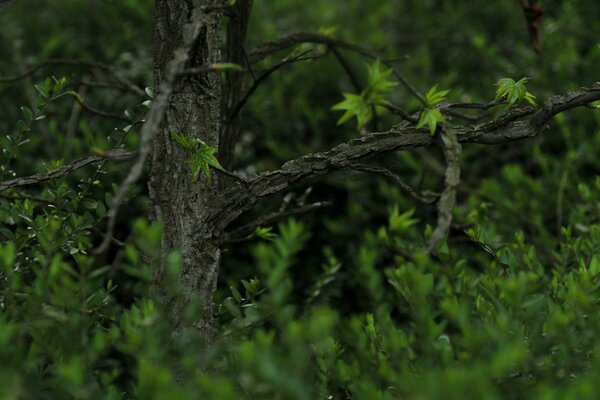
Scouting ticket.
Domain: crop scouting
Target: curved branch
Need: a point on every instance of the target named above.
(506, 128)
(425, 199)
(307, 37)
(264, 76)
(283, 43)
(118, 154)
(240, 234)
(99, 112)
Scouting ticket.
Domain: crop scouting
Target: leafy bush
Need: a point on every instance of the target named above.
(339, 304)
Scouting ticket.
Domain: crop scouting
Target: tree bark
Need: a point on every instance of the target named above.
(180, 204)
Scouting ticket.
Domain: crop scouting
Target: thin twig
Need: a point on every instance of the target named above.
(22, 196)
(240, 234)
(265, 75)
(305, 37)
(404, 186)
(126, 83)
(99, 112)
(118, 154)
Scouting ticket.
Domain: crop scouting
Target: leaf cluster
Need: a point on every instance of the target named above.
(369, 101)
(202, 156)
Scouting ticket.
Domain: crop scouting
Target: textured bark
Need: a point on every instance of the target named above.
(193, 111)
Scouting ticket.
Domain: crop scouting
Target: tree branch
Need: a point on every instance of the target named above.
(386, 172)
(307, 37)
(506, 128)
(452, 152)
(241, 233)
(118, 154)
(126, 83)
(264, 76)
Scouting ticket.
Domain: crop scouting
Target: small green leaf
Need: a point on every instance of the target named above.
(42, 91)
(375, 94)
(130, 115)
(328, 30)
(59, 84)
(28, 113)
(434, 96)
(431, 118)
(264, 233)
(184, 142)
(379, 83)
(149, 91)
(226, 67)
(354, 105)
(400, 223)
(21, 126)
(236, 294)
(513, 92)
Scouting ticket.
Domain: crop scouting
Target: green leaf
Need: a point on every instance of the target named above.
(379, 83)
(149, 91)
(202, 159)
(400, 223)
(354, 105)
(21, 126)
(59, 84)
(264, 233)
(130, 115)
(362, 105)
(328, 30)
(28, 113)
(431, 118)
(184, 142)
(513, 92)
(42, 91)
(236, 294)
(226, 67)
(434, 96)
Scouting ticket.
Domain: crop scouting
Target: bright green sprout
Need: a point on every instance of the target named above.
(513, 92)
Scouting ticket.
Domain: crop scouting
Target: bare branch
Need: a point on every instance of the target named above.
(386, 172)
(118, 154)
(99, 112)
(274, 46)
(264, 76)
(308, 37)
(241, 233)
(452, 152)
(24, 196)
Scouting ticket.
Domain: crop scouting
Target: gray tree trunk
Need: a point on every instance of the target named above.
(182, 205)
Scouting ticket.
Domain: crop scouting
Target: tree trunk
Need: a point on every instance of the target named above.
(180, 204)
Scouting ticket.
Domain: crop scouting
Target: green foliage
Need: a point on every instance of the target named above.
(202, 156)
(432, 116)
(364, 105)
(344, 304)
(513, 92)
(263, 232)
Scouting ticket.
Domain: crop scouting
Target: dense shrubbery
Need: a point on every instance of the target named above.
(439, 327)
(342, 303)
